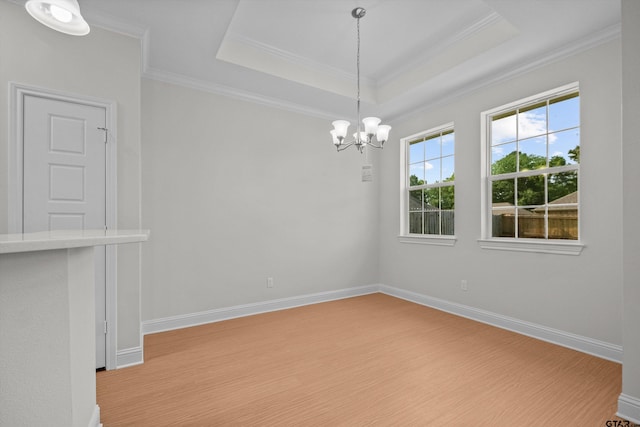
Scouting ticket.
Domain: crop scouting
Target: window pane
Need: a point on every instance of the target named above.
(533, 153)
(432, 171)
(430, 162)
(448, 143)
(432, 222)
(532, 121)
(547, 135)
(447, 204)
(503, 223)
(415, 222)
(503, 128)
(502, 192)
(564, 112)
(563, 187)
(447, 197)
(432, 148)
(531, 191)
(416, 174)
(448, 165)
(531, 223)
(416, 152)
(503, 159)
(447, 219)
(432, 198)
(563, 222)
(415, 200)
(564, 147)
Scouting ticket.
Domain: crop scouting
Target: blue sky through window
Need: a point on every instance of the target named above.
(543, 130)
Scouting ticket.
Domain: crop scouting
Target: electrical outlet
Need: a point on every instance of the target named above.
(464, 285)
(269, 282)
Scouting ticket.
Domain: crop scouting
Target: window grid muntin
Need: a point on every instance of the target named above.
(438, 134)
(516, 110)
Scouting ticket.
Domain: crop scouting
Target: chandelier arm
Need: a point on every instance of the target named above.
(343, 147)
(361, 140)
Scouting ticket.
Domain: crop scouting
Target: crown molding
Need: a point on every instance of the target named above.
(598, 38)
(299, 60)
(243, 95)
(110, 23)
(424, 57)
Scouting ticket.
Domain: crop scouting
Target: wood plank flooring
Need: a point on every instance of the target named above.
(370, 360)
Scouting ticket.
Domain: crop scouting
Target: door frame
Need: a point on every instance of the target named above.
(17, 93)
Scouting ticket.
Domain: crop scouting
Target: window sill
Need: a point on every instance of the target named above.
(428, 240)
(530, 245)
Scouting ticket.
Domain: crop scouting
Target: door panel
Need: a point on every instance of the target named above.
(64, 179)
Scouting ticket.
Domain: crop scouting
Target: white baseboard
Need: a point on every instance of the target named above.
(216, 315)
(129, 357)
(95, 418)
(629, 408)
(587, 345)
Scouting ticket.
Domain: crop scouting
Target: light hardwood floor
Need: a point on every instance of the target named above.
(371, 360)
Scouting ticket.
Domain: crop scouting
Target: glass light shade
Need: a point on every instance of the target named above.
(363, 136)
(341, 127)
(371, 125)
(336, 141)
(60, 15)
(383, 133)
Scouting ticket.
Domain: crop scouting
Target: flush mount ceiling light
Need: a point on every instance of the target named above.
(372, 126)
(61, 15)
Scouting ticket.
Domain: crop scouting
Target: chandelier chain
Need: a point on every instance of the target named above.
(369, 131)
(358, 79)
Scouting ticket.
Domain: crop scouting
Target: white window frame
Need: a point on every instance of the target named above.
(405, 236)
(551, 246)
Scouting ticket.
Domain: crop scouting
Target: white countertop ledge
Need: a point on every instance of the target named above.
(65, 239)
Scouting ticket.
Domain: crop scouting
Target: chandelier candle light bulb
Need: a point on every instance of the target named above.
(372, 126)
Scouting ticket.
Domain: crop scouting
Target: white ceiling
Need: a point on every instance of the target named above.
(300, 54)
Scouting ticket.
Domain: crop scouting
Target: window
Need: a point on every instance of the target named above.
(429, 186)
(532, 161)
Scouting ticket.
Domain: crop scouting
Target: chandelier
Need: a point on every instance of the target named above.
(60, 15)
(372, 126)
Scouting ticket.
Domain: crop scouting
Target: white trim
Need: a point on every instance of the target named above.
(17, 92)
(95, 417)
(629, 408)
(216, 315)
(587, 345)
(530, 245)
(130, 357)
(591, 41)
(405, 237)
(427, 239)
(428, 54)
(551, 246)
(299, 60)
(111, 251)
(16, 161)
(533, 99)
(111, 304)
(243, 95)
(580, 343)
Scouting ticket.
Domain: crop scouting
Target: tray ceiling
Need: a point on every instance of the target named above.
(300, 54)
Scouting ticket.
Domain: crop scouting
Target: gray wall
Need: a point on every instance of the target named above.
(577, 294)
(631, 206)
(236, 192)
(104, 65)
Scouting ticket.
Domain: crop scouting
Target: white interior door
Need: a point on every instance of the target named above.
(64, 179)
